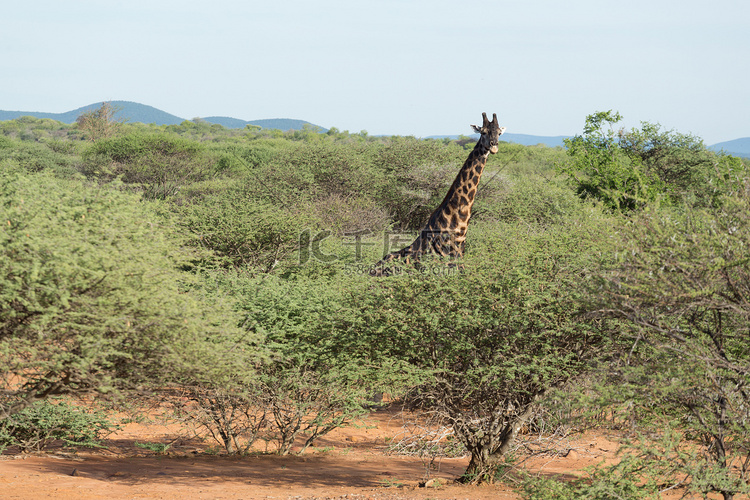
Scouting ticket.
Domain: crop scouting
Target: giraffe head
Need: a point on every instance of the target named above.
(489, 132)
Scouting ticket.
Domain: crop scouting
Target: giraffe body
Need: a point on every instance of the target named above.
(445, 231)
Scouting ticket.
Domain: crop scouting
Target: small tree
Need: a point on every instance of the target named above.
(307, 402)
(92, 298)
(601, 170)
(158, 164)
(628, 169)
(100, 123)
(233, 416)
(684, 287)
(687, 171)
(491, 341)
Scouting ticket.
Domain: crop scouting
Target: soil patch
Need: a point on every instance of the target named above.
(350, 463)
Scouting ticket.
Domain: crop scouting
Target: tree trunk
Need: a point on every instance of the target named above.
(482, 468)
(486, 454)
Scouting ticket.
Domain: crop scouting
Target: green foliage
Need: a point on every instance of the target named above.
(319, 169)
(531, 199)
(91, 297)
(492, 340)
(36, 157)
(623, 480)
(158, 164)
(627, 170)
(244, 232)
(37, 426)
(328, 181)
(602, 171)
(683, 286)
(529, 161)
(307, 320)
(687, 170)
(261, 152)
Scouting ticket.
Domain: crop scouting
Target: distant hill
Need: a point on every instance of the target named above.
(523, 139)
(128, 111)
(737, 147)
(141, 113)
(225, 121)
(272, 123)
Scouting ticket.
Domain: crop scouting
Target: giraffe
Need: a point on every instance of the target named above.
(445, 231)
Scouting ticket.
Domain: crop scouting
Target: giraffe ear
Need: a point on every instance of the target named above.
(478, 130)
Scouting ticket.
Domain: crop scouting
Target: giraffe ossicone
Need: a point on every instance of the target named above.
(444, 234)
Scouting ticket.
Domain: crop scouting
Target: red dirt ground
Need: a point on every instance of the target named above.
(349, 463)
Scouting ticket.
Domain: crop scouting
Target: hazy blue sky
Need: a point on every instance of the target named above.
(403, 67)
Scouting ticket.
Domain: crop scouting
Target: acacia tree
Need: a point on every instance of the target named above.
(599, 169)
(628, 169)
(491, 341)
(684, 287)
(160, 165)
(309, 386)
(92, 298)
(100, 123)
(242, 232)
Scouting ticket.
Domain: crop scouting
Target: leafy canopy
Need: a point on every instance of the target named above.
(91, 295)
(627, 170)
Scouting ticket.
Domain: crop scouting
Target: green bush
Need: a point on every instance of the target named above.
(348, 214)
(627, 170)
(158, 164)
(624, 480)
(531, 199)
(37, 426)
(689, 172)
(242, 232)
(491, 340)
(92, 297)
(681, 290)
(6, 143)
(36, 157)
(261, 152)
(319, 169)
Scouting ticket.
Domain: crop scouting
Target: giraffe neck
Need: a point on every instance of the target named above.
(445, 231)
(455, 210)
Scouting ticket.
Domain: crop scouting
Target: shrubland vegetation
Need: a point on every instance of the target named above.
(226, 270)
